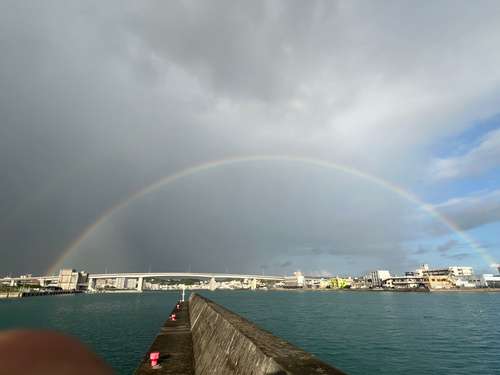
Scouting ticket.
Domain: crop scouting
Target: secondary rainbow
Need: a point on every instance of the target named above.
(293, 159)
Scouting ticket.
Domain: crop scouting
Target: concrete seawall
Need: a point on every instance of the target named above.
(37, 294)
(206, 339)
(225, 343)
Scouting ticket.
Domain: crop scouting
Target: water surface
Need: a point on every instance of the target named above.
(359, 332)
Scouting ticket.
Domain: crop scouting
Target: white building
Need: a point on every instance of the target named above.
(379, 276)
(121, 282)
(70, 279)
(477, 281)
(450, 271)
(295, 281)
(406, 281)
(131, 283)
(461, 271)
(493, 281)
(388, 283)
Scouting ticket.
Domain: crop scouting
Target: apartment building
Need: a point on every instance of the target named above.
(70, 279)
(295, 281)
(379, 276)
(406, 281)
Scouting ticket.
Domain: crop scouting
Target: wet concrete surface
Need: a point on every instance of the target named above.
(175, 346)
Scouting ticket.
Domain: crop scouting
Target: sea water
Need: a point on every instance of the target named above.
(359, 332)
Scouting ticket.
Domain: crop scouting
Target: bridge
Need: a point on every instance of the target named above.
(92, 278)
(212, 276)
(43, 280)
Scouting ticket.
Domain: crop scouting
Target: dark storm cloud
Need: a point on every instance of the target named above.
(422, 249)
(283, 265)
(460, 256)
(468, 213)
(447, 246)
(232, 45)
(99, 100)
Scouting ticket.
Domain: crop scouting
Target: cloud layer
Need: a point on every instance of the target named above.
(99, 100)
(468, 212)
(477, 161)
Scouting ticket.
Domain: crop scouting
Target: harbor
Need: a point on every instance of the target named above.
(360, 333)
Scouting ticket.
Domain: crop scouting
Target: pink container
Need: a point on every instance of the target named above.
(177, 306)
(154, 356)
(173, 317)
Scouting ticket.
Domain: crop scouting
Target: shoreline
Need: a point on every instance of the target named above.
(457, 290)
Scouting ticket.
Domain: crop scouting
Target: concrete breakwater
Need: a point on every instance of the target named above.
(36, 294)
(206, 338)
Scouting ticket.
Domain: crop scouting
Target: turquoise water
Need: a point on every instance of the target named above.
(359, 332)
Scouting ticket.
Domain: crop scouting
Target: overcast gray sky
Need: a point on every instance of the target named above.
(99, 100)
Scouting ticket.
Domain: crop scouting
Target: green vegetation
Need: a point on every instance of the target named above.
(184, 281)
(9, 289)
(269, 282)
(32, 286)
(154, 280)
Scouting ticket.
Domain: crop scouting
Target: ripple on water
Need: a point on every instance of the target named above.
(361, 333)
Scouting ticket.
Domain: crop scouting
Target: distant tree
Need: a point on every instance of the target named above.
(184, 281)
(32, 286)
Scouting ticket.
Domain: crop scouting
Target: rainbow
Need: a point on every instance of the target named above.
(247, 159)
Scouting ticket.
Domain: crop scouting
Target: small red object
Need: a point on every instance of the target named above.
(173, 317)
(180, 301)
(154, 356)
(177, 306)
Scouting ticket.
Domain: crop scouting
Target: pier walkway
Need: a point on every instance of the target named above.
(206, 338)
(175, 346)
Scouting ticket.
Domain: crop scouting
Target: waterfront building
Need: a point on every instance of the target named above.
(388, 283)
(408, 281)
(478, 281)
(349, 282)
(323, 283)
(450, 271)
(454, 272)
(493, 281)
(69, 279)
(131, 283)
(379, 276)
(361, 282)
(337, 283)
(295, 281)
(121, 282)
(461, 271)
(438, 282)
